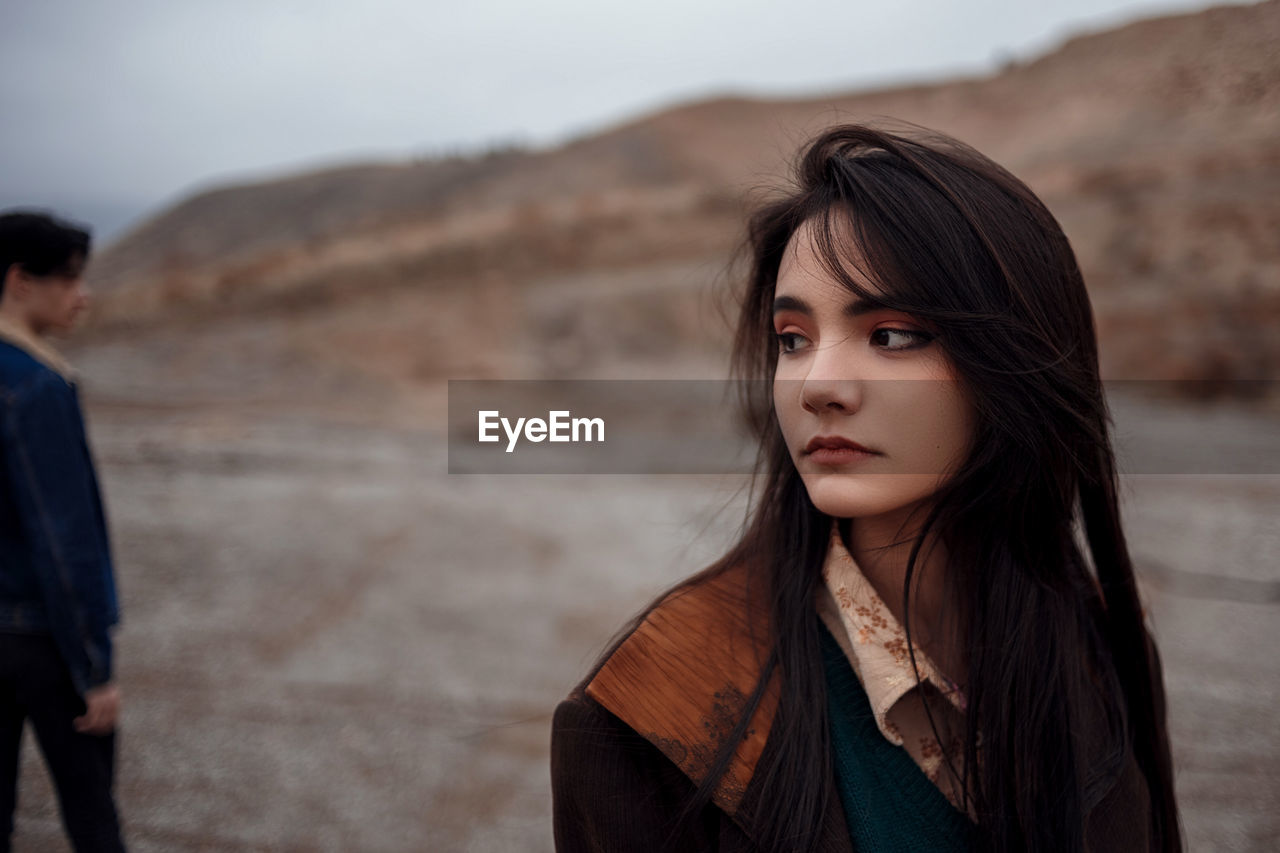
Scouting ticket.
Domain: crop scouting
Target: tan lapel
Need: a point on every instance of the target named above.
(684, 675)
(681, 680)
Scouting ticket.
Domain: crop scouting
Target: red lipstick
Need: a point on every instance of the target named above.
(836, 450)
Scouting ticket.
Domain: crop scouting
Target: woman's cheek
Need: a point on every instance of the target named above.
(785, 402)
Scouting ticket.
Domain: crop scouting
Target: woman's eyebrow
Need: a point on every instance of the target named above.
(855, 308)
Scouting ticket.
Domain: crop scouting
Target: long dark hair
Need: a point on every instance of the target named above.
(1048, 608)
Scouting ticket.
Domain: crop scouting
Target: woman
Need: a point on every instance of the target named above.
(929, 636)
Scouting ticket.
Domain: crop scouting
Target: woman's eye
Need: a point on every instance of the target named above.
(788, 341)
(900, 339)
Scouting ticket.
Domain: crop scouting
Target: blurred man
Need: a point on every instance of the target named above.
(57, 587)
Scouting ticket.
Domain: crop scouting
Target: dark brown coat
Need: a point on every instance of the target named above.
(631, 742)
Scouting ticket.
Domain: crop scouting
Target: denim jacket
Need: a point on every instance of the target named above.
(56, 575)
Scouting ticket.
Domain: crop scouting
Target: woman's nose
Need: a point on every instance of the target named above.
(832, 384)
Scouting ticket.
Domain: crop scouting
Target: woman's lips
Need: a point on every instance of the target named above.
(839, 455)
(836, 450)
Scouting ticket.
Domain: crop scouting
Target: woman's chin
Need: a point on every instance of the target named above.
(867, 495)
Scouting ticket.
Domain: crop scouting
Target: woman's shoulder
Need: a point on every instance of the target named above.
(681, 678)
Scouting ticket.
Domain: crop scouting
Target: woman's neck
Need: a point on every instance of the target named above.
(881, 548)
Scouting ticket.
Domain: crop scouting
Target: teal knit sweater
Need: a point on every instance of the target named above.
(889, 804)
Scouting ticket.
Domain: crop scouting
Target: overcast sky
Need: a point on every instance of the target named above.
(112, 109)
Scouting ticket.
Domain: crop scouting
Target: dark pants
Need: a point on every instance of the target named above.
(35, 685)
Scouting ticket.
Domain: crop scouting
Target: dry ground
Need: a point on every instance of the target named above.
(332, 644)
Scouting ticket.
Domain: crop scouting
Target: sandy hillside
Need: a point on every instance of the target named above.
(1156, 144)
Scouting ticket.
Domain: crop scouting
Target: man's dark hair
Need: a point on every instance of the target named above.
(41, 245)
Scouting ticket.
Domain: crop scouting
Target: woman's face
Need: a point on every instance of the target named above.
(852, 372)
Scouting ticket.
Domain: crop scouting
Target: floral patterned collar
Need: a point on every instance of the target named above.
(873, 640)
